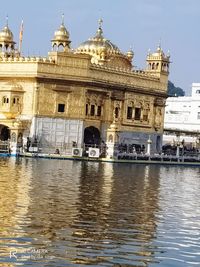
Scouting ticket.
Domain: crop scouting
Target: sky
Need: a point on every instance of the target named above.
(140, 24)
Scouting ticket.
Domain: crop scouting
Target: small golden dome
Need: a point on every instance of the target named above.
(130, 54)
(6, 35)
(97, 44)
(159, 51)
(61, 34)
(61, 41)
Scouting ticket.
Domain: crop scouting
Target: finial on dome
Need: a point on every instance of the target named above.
(6, 20)
(63, 16)
(100, 21)
(99, 33)
(131, 48)
(130, 53)
(159, 45)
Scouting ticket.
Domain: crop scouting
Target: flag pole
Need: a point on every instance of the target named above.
(21, 36)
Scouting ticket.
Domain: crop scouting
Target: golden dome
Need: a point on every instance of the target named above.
(130, 54)
(98, 45)
(61, 34)
(6, 35)
(159, 51)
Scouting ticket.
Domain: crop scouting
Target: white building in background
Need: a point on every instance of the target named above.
(182, 117)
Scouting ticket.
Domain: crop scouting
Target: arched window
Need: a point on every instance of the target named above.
(99, 111)
(137, 113)
(92, 111)
(60, 47)
(146, 111)
(86, 109)
(129, 113)
(5, 100)
(15, 100)
(116, 112)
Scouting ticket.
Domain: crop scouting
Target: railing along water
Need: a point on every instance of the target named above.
(4, 147)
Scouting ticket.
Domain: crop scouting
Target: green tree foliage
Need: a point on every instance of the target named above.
(174, 91)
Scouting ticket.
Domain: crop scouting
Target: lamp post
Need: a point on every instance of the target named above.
(149, 142)
(178, 149)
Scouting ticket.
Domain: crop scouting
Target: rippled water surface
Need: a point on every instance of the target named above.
(68, 213)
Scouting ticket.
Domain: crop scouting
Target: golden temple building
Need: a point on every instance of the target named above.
(88, 95)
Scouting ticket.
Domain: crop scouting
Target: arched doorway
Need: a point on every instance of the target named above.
(4, 133)
(91, 136)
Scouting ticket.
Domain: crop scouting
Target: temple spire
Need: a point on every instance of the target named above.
(7, 21)
(63, 16)
(159, 45)
(100, 21)
(99, 33)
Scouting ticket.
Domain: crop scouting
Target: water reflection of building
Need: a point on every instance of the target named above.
(38, 206)
(15, 200)
(77, 208)
(108, 180)
(75, 95)
(124, 214)
(54, 191)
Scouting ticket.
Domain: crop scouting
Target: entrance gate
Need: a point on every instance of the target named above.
(4, 133)
(92, 136)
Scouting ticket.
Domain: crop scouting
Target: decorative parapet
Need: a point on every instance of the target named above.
(128, 78)
(26, 59)
(79, 68)
(142, 73)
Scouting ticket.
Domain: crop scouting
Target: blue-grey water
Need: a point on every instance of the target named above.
(70, 213)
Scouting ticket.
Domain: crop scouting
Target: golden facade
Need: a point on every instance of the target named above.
(75, 95)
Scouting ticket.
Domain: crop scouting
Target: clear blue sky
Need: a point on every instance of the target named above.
(137, 23)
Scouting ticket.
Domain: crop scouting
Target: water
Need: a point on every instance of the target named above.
(68, 213)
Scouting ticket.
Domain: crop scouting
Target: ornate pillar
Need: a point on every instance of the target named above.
(15, 138)
(178, 149)
(13, 142)
(112, 140)
(149, 142)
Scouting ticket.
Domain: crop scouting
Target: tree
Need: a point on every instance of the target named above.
(174, 91)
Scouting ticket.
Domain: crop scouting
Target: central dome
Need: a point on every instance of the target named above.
(98, 41)
(98, 47)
